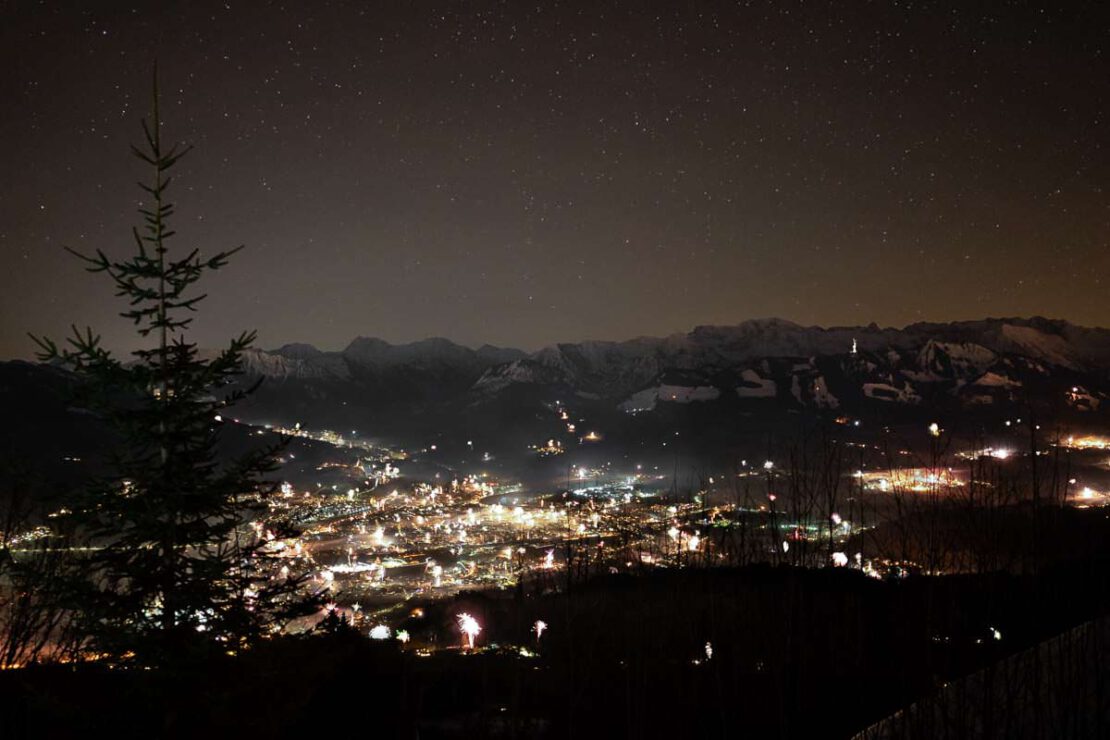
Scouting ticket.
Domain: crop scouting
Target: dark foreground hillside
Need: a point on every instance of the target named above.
(794, 653)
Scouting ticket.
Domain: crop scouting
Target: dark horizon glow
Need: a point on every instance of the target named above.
(520, 176)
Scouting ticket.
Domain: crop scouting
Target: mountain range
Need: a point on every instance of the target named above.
(990, 362)
(724, 388)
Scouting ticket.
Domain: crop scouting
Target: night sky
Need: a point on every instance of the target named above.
(524, 173)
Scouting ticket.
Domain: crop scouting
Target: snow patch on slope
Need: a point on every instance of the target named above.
(756, 386)
(996, 380)
(646, 399)
(890, 393)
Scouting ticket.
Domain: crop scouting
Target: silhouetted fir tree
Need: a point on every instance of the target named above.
(179, 565)
(336, 623)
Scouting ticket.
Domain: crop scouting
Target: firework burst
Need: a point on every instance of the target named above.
(469, 627)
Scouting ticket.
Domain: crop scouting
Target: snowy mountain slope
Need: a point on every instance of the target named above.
(926, 354)
(763, 361)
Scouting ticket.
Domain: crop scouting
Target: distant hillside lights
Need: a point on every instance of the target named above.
(996, 453)
(1087, 442)
(915, 480)
(551, 448)
(1088, 497)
